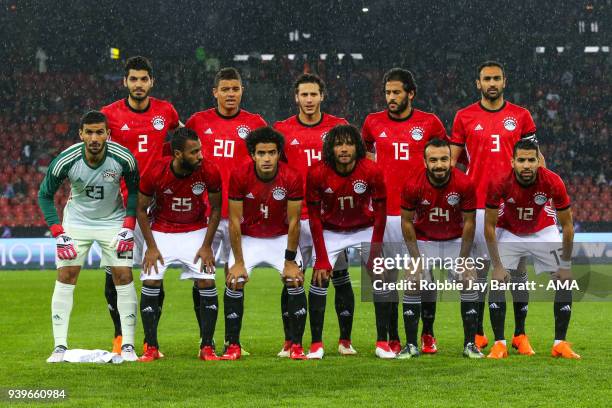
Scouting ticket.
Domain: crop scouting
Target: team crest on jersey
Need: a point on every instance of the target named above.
(510, 123)
(360, 186)
(158, 122)
(540, 198)
(243, 131)
(453, 199)
(279, 193)
(110, 176)
(417, 133)
(198, 187)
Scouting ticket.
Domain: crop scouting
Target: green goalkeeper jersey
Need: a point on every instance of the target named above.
(95, 197)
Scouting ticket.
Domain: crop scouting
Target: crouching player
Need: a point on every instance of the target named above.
(95, 212)
(264, 226)
(444, 201)
(518, 204)
(346, 199)
(180, 234)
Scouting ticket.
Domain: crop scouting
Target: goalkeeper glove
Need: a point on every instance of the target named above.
(124, 241)
(65, 248)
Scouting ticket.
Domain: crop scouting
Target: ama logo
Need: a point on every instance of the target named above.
(509, 123)
(540, 198)
(243, 131)
(158, 123)
(198, 187)
(360, 186)
(453, 199)
(279, 193)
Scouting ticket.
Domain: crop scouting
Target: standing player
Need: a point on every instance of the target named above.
(396, 138)
(264, 199)
(95, 212)
(518, 204)
(222, 131)
(140, 123)
(180, 234)
(304, 134)
(346, 199)
(488, 130)
(444, 201)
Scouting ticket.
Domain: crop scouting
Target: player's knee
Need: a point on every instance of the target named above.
(204, 283)
(151, 282)
(68, 274)
(122, 275)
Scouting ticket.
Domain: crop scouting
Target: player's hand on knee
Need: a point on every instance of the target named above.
(65, 246)
(320, 276)
(564, 274)
(152, 256)
(237, 274)
(124, 241)
(500, 274)
(205, 254)
(292, 274)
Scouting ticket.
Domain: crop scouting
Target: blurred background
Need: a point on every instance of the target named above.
(62, 58)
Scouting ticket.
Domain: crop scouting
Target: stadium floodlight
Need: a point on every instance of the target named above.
(323, 57)
(605, 48)
(114, 53)
(241, 57)
(365, 9)
(291, 56)
(357, 56)
(590, 49)
(560, 49)
(540, 50)
(267, 57)
(340, 56)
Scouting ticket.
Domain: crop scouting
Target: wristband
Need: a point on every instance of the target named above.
(56, 229)
(565, 264)
(290, 255)
(129, 222)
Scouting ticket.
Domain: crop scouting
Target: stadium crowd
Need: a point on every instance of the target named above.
(570, 103)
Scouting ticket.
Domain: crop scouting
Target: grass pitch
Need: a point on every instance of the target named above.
(442, 380)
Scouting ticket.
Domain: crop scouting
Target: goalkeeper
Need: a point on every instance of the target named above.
(94, 212)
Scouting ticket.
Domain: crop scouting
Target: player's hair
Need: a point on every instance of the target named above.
(227, 74)
(402, 75)
(490, 63)
(138, 63)
(436, 142)
(265, 135)
(93, 116)
(180, 137)
(526, 144)
(343, 134)
(309, 79)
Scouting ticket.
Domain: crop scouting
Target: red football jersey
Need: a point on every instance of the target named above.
(304, 143)
(527, 210)
(439, 210)
(488, 138)
(264, 203)
(142, 132)
(399, 146)
(180, 204)
(222, 140)
(346, 200)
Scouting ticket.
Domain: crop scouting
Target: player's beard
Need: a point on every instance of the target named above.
(439, 179)
(401, 106)
(95, 148)
(189, 167)
(140, 98)
(494, 97)
(525, 179)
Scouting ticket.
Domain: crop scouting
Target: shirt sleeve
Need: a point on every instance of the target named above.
(494, 194)
(458, 132)
(409, 198)
(214, 183)
(235, 186)
(147, 186)
(191, 122)
(379, 190)
(437, 128)
(529, 127)
(296, 188)
(54, 178)
(174, 118)
(367, 136)
(468, 201)
(560, 198)
(132, 180)
(312, 185)
(262, 122)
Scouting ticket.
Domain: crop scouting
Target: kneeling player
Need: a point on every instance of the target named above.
(444, 201)
(264, 225)
(518, 204)
(180, 234)
(346, 199)
(94, 212)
